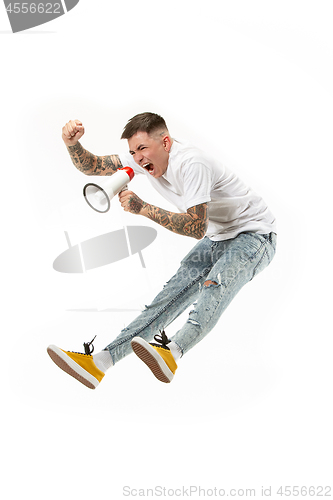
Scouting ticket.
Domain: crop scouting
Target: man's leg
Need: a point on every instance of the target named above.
(178, 294)
(236, 262)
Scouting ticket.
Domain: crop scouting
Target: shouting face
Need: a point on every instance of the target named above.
(151, 151)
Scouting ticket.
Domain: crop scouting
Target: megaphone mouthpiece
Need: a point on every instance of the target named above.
(129, 171)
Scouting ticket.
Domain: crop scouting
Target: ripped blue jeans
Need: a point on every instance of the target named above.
(209, 277)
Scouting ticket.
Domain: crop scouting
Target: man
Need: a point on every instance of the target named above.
(237, 240)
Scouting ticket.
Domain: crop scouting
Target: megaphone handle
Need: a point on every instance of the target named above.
(125, 188)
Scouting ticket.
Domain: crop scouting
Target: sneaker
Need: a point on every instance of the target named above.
(78, 365)
(157, 357)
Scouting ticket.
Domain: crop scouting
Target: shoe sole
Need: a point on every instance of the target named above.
(69, 366)
(152, 359)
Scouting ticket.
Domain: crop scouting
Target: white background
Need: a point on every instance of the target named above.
(250, 81)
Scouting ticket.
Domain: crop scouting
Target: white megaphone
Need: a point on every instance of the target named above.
(99, 198)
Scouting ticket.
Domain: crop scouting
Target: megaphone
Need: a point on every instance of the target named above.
(99, 198)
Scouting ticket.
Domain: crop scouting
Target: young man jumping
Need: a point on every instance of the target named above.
(237, 234)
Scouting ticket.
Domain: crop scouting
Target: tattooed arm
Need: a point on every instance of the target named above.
(192, 223)
(91, 164)
(84, 161)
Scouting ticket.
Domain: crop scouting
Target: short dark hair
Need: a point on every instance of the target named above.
(144, 122)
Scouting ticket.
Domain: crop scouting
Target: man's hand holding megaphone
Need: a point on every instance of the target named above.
(72, 132)
(131, 202)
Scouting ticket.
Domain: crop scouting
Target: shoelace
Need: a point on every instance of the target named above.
(87, 345)
(162, 339)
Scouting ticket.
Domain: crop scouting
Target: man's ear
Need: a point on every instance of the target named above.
(167, 142)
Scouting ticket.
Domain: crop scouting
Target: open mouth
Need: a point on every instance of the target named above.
(149, 167)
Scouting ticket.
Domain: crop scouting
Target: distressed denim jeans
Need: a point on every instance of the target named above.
(209, 277)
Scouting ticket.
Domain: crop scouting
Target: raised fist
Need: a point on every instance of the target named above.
(72, 132)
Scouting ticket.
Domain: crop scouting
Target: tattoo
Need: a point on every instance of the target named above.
(91, 164)
(135, 204)
(194, 223)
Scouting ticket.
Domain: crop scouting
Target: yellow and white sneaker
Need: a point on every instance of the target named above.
(78, 365)
(157, 357)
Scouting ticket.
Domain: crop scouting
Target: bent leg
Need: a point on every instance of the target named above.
(178, 294)
(237, 262)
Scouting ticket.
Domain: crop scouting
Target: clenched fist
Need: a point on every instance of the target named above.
(72, 132)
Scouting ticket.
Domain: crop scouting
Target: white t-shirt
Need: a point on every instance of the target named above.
(193, 178)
